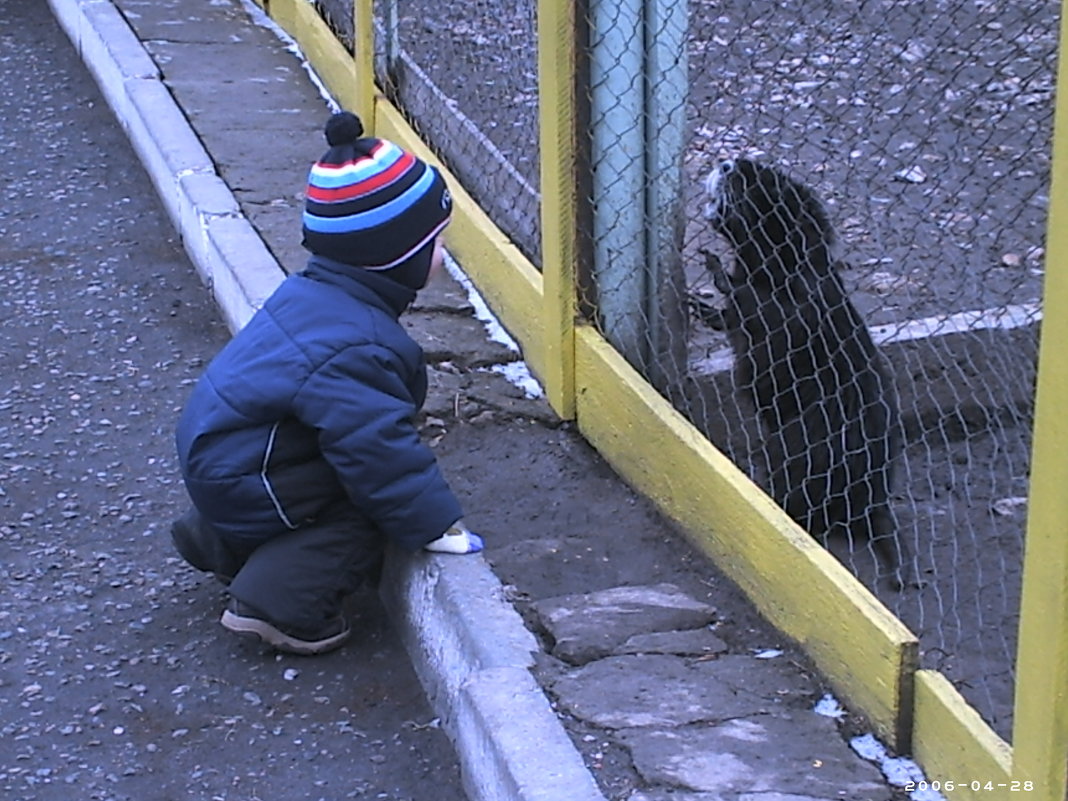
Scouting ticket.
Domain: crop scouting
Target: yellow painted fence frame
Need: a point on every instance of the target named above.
(1040, 723)
(860, 647)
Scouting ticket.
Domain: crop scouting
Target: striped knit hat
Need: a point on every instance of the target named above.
(372, 205)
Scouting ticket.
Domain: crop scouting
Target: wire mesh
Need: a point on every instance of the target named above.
(465, 74)
(922, 129)
(338, 15)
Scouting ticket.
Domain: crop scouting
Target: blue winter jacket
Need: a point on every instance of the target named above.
(312, 402)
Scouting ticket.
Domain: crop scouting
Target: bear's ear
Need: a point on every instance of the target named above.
(715, 181)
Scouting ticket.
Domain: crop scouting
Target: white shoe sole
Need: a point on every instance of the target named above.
(239, 624)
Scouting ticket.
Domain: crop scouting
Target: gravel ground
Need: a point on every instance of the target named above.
(116, 682)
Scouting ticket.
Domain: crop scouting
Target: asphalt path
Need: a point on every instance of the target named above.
(116, 681)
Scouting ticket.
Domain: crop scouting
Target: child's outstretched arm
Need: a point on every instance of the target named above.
(457, 539)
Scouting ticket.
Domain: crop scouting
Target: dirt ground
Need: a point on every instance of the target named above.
(560, 522)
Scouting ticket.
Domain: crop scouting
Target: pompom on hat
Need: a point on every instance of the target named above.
(372, 205)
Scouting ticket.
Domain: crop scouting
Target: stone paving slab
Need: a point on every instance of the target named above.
(621, 692)
(588, 626)
(695, 642)
(745, 755)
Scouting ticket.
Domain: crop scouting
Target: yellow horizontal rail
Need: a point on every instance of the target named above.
(866, 653)
(956, 746)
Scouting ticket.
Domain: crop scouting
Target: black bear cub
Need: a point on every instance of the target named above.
(805, 359)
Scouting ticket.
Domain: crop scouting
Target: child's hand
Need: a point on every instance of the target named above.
(456, 540)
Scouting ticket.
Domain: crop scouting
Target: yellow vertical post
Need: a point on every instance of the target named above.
(363, 27)
(556, 92)
(1040, 724)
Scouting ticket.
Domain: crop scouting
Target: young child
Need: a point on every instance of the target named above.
(298, 446)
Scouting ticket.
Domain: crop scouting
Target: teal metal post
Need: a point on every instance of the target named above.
(638, 85)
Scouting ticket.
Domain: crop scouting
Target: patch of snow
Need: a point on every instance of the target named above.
(767, 653)
(897, 770)
(829, 707)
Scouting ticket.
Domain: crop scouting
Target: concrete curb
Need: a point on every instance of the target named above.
(470, 648)
(473, 655)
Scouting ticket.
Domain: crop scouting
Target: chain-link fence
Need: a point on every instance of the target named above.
(922, 128)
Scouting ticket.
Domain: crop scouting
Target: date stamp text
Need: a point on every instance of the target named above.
(975, 785)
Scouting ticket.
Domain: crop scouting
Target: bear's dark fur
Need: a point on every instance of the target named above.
(806, 360)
